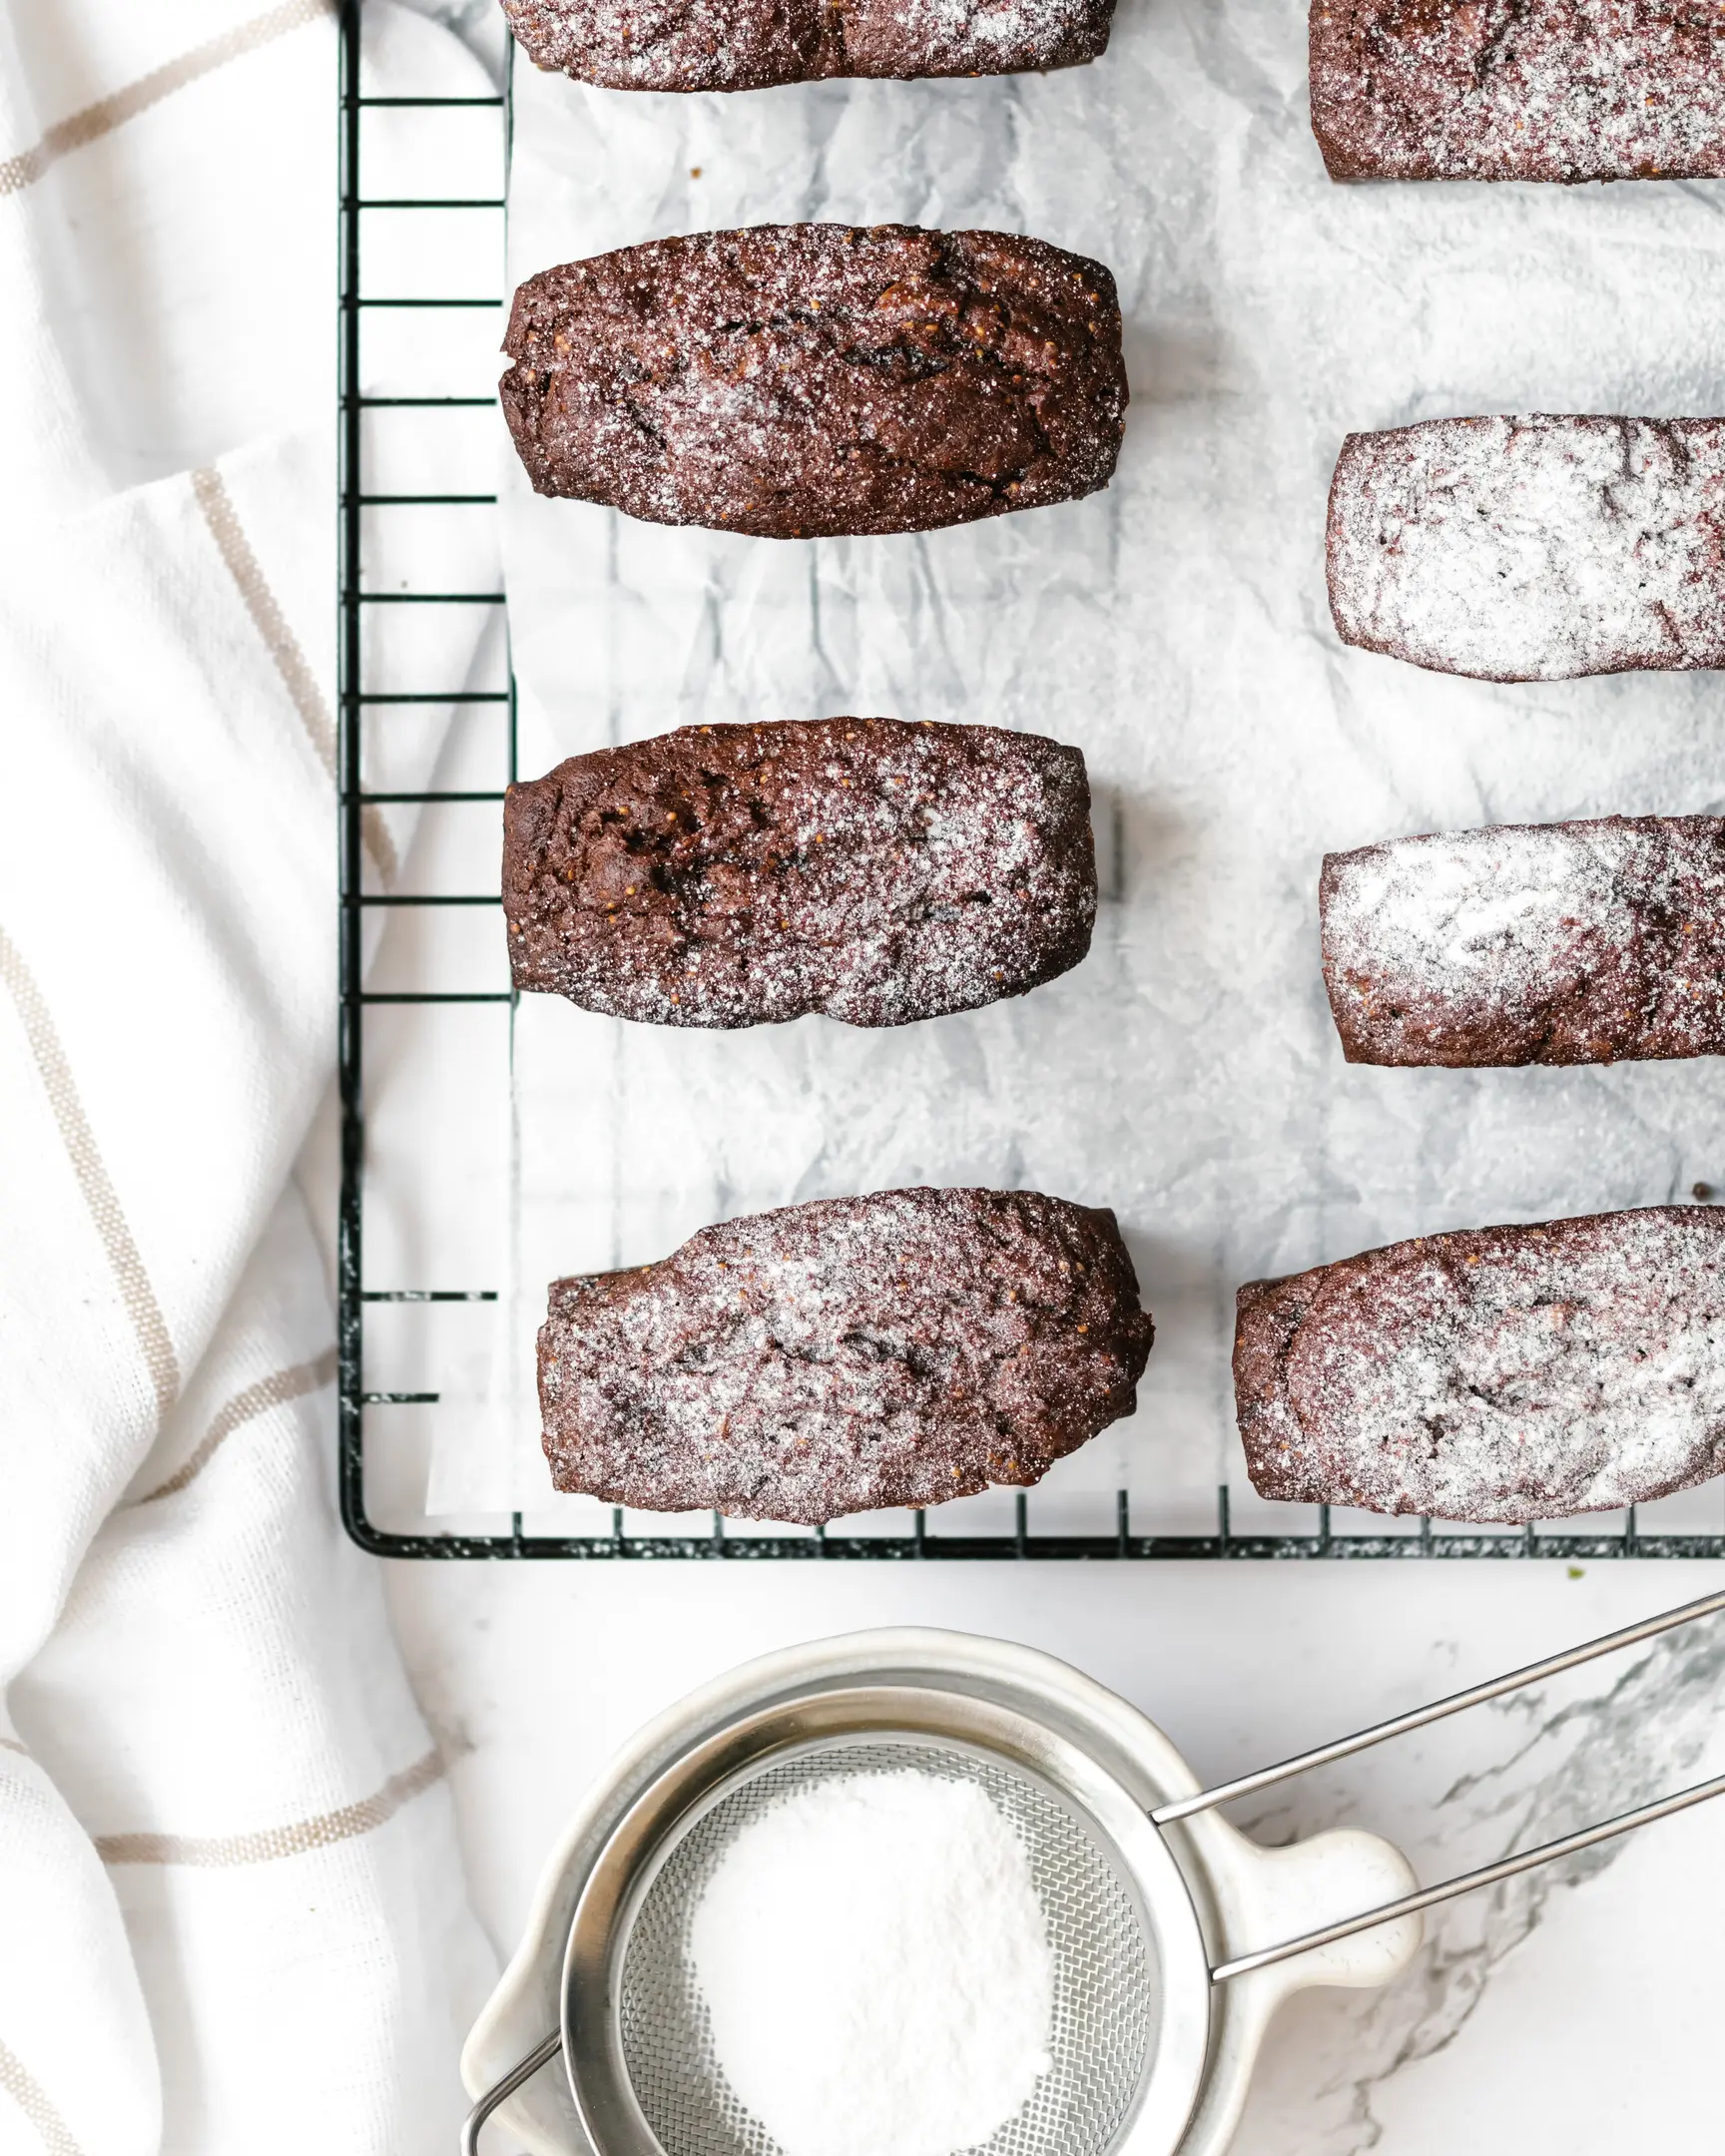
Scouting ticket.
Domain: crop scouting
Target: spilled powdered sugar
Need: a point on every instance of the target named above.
(1496, 1374)
(1553, 944)
(875, 1967)
(1533, 548)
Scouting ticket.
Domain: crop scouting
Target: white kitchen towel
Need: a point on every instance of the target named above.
(230, 1905)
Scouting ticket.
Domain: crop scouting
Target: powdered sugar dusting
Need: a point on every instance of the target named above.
(864, 868)
(1496, 1375)
(1573, 942)
(825, 1358)
(1534, 548)
(752, 44)
(990, 36)
(1497, 90)
(797, 381)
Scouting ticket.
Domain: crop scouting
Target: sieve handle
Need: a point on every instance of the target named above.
(1418, 1717)
(1486, 1876)
(500, 2091)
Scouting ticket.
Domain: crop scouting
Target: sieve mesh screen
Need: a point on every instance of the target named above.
(1104, 2002)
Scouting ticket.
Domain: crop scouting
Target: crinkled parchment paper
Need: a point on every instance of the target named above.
(1175, 628)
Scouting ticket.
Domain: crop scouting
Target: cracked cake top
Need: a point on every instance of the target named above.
(808, 380)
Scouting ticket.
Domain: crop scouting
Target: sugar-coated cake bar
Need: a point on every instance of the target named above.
(730, 875)
(1494, 1374)
(1535, 548)
(806, 380)
(845, 1354)
(1564, 90)
(1531, 548)
(752, 44)
(1584, 942)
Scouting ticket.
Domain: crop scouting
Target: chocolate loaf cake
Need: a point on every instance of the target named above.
(1499, 90)
(800, 381)
(1496, 1374)
(853, 1353)
(752, 44)
(733, 875)
(1534, 548)
(1584, 942)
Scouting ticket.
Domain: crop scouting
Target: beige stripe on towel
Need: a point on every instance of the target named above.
(93, 1179)
(107, 113)
(274, 1842)
(31, 2100)
(276, 1390)
(285, 647)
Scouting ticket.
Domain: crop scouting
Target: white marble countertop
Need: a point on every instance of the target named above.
(1573, 2012)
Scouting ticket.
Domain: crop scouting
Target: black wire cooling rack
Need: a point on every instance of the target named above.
(365, 698)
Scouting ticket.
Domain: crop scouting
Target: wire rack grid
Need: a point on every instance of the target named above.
(362, 700)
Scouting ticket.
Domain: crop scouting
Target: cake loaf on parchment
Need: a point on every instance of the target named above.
(845, 1354)
(735, 875)
(752, 44)
(1494, 1374)
(1535, 548)
(1563, 89)
(795, 381)
(1584, 942)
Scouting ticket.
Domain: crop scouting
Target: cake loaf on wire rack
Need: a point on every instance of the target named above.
(797, 381)
(752, 44)
(1564, 90)
(1535, 548)
(845, 1354)
(1494, 1375)
(730, 875)
(1584, 942)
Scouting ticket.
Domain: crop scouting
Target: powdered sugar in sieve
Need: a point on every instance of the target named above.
(1069, 1991)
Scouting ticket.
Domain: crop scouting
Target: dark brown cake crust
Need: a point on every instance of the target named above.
(838, 1357)
(735, 875)
(1563, 89)
(752, 44)
(804, 380)
(1582, 942)
(1497, 1374)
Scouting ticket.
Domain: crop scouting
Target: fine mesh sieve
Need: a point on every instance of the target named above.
(1104, 1998)
(1135, 1984)
(1131, 2007)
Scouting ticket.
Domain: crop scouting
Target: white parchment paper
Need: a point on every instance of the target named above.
(1176, 629)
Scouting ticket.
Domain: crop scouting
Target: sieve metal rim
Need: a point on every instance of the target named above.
(672, 1807)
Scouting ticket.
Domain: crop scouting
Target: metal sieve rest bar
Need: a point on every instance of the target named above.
(1486, 1876)
(1418, 1716)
